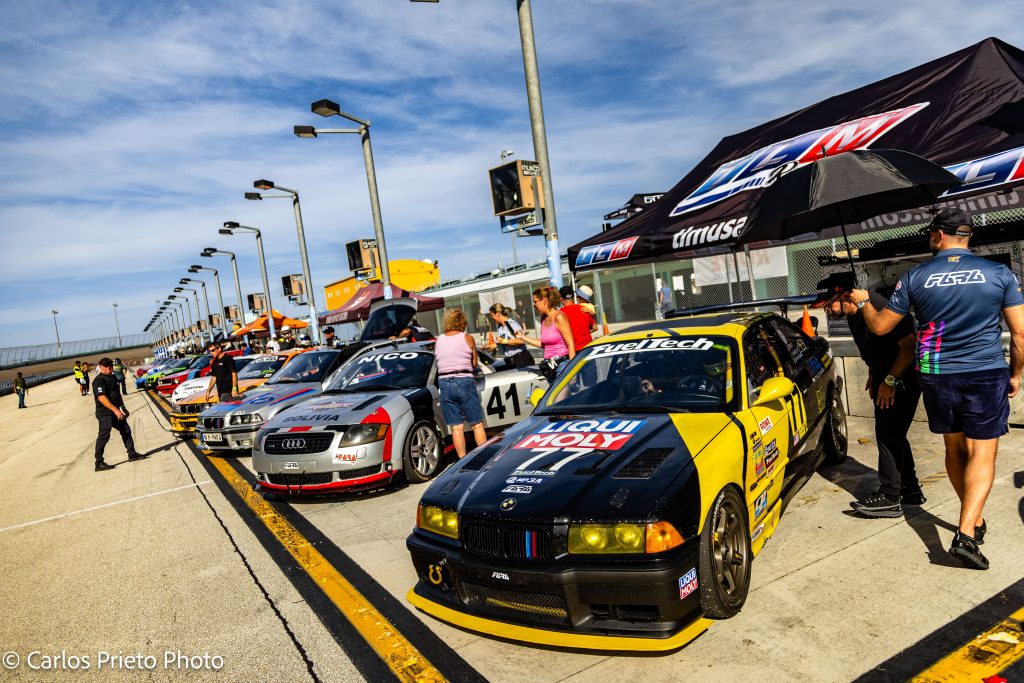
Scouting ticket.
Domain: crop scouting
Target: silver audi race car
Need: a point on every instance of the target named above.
(379, 417)
(232, 425)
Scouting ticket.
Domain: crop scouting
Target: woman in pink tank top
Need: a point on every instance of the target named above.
(555, 332)
(455, 352)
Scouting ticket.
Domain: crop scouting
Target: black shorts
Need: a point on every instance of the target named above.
(975, 403)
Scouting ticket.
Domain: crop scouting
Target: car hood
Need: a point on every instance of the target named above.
(192, 390)
(605, 467)
(333, 409)
(179, 375)
(267, 399)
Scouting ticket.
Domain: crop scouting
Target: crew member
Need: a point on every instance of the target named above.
(286, 339)
(414, 332)
(225, 375)
(957, 298)
(583, 324)
(79, 377)
(894, 390)
(460, 401)
(111, 413)
(20, 389)
(555, 332)
(330, 339)
(86, 369)
(119, 371)
(516, 355)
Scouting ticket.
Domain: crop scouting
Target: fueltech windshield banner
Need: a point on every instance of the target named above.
(962, 111)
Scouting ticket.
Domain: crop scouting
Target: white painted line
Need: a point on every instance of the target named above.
(105, 505)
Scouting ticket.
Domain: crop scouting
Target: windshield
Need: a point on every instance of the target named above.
(311, 366)
(384, 370)
(694, 374)
(261, 368)
(387, 322)
(200, 362)
(241, 362)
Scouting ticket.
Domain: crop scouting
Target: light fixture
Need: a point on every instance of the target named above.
(263, 184)
(253, 195)
(325, 108)
(305, 131)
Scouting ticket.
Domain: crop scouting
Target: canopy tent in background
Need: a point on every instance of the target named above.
(358, 307)
(964, 111)
(258, 327)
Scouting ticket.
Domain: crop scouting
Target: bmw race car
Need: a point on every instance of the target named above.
(378, 418)
(156, 366)
(232, 425)
(200, 367)
(627, 510)
(170, 367)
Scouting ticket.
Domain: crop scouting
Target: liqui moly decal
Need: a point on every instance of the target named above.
(578, 438)
(762, 167)
(603, 253)
(995, 169)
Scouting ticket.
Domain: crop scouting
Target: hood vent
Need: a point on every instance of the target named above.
(644, 465)
(367, 402)
(482, 457)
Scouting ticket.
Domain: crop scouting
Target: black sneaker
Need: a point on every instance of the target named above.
(965, 549)
(103, 467)
(137, 456)
(878, 505)
(980, 531)
(913, 497)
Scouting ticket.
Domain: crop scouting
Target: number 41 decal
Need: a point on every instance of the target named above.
(496, 402)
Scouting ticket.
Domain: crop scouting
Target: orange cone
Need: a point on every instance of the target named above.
(604, 319)
(490, 339)
(807, 326)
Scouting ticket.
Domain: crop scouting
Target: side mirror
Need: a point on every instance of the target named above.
(535, 396)
(774, 389)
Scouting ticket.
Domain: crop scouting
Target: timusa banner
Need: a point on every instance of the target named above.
(964, 111)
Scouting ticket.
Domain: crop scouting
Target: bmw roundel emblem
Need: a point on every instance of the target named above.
(508, 504)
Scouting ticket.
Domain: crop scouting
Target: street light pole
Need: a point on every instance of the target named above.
(209, 252)
(220, 296)
(228, 229)
(117, 326)
(306, 272)
(206, 301)
(188, 312)
(329, 108)
(54, 314)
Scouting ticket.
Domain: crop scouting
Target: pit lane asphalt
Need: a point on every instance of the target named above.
(833, 596)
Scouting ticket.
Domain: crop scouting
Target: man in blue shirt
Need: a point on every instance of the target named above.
(957, 299)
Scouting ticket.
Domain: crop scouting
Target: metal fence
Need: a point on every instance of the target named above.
(16, 356)
(7, 386)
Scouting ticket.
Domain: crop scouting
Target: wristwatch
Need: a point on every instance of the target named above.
(860, 304)
(890, 381)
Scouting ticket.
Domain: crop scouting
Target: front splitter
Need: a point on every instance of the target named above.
(542, 636)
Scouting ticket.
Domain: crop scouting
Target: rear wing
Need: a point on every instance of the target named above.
(783, 303)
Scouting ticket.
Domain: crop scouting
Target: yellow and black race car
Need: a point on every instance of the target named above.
(626, 511)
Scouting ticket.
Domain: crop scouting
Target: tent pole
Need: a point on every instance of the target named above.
(849, 254)
(736, 266)
(750, 273)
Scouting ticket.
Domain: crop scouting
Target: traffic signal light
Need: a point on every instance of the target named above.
(512, 188)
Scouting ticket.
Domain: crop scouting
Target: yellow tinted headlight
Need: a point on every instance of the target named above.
(438, 520)
(606, 538)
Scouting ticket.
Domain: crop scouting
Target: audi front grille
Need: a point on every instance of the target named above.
(301, 443)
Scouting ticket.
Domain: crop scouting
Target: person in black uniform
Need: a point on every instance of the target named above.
(224, 373)
(111, 413)
(330, 339)
(895, 392)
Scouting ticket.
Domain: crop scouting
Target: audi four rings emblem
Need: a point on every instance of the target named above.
(293, 444)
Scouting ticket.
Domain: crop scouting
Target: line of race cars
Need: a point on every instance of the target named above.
(619, 507)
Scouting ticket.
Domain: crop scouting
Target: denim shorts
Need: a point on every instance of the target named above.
(460, 401)
(975, 403)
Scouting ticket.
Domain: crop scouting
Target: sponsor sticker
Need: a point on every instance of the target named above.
(603, 253)
(331, 405)
(260, 400)
(687, 583)
(517, 489)
(345, 457)
(765, 425)
(582, 435)
(534, 473)
(525, 480)
(771, 454)
(757, 532)
(815, 365)
(373, 357)
(759, 464)
(697, 344)
(761, 504)
(312, 418)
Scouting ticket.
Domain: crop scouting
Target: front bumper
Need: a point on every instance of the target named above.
(600, 605)
(233, 440)
(336, 469)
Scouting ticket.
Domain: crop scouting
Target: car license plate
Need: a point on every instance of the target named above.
(212, 438)
(291, 466)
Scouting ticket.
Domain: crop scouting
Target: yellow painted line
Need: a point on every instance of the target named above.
(988, 654)
(407, 663)
(542, 636)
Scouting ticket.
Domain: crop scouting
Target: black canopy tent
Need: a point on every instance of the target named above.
(964, 111)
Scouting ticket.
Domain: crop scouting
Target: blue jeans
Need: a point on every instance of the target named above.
(21, 397)
(460, 401)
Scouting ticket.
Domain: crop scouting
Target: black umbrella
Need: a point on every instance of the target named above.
(844, 189)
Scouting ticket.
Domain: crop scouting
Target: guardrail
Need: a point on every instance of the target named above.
(18, 356)
(7, 386)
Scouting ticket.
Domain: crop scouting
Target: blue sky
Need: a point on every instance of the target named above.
(130, 130)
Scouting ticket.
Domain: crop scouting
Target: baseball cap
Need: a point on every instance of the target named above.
(106, 362)
(950, 221)
(566, 292)
(585, 293)
(832, 286)
(285, 328)
(328, 330)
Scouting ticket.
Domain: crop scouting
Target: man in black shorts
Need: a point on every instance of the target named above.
(957, 299)
(111, 414)
(223, 370)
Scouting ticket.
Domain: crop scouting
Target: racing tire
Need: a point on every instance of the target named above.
(725, 556)
(421, 455)
(835, 435)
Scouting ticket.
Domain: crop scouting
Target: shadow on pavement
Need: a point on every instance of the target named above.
(854, 477)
